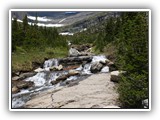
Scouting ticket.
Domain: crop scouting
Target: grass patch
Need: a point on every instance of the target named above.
(22, 61)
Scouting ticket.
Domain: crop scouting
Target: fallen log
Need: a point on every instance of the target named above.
(75, 60)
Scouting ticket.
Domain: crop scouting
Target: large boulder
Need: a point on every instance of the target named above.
(115, 75)
(96, 67)
(24, 84)
(73, 52)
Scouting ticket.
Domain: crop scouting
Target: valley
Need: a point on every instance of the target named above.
(79, 59)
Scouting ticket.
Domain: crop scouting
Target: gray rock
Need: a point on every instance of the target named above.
(24, 84)
(23, 76)
(61, 78)
(73, 52)
(145, 103)
(15, 78)
(115, 75)
(28, 74)
(96, 67)
(54, 82)
(15, 90)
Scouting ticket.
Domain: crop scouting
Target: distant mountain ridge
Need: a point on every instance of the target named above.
(73, 21)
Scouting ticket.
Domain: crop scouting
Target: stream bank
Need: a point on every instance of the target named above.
(79, 69)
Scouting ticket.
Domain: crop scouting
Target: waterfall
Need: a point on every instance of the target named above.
(50, 63)
(99, 58)
(86, 69)
(42, 80)
(38, 79)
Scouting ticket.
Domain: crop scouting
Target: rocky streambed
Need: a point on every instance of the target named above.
(65, 74)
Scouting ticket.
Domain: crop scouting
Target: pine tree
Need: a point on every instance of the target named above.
(25, 23)
(133, 58)
(36, 21)
(14, 33)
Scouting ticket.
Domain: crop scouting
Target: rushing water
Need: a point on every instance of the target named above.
(42, 80)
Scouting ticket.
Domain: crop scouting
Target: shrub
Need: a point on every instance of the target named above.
(133, 88)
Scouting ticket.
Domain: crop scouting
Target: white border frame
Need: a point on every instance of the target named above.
(105, 10)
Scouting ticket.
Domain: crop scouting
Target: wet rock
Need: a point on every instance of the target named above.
(115, 75)
(53, 82)
(96, 67)
(24, 84)
(26, 75)
(61, 78)
(72, 73)
(15, 90)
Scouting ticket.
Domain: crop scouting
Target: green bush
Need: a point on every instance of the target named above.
(133, 88)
